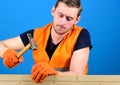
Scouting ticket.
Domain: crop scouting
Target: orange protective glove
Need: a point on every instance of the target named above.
(41, 70)
(9, 58)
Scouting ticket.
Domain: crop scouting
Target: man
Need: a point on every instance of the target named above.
(63, 47)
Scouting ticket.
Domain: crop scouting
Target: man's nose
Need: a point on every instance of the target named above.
(63, 20)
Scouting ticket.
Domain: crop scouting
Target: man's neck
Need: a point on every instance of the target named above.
(56, 38)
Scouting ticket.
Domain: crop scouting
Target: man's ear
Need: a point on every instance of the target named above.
(53, 10)
(77, 19)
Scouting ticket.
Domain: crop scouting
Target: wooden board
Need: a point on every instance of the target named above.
(61, 80)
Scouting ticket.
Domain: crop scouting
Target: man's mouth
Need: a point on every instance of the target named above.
(60, 26)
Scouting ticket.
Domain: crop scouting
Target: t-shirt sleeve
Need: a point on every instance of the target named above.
(83, 40)
(24, 37)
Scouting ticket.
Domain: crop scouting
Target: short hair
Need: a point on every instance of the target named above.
(71, 3)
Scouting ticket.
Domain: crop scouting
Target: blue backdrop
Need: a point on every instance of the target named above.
(100, 17)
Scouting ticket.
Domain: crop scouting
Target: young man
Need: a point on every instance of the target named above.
(63, 47)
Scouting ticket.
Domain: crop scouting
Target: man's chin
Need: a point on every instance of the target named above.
(61, 32)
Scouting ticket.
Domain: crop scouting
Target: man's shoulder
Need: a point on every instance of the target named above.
(45, 26)
(83, 29)
(77, 27)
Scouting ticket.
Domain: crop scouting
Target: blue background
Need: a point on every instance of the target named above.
(100, 17)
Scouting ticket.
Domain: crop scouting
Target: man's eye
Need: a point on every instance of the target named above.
(60, 15)
(69, 19)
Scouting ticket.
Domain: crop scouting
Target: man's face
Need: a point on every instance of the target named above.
(64, 18)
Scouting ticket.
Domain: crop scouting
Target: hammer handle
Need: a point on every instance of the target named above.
(19, 54)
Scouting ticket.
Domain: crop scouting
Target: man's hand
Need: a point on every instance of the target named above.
(41, 70)
(9, 58)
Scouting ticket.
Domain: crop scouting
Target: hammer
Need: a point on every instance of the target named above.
(31, 45)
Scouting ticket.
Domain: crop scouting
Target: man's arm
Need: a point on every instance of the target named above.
(78, 62)
(12, 43)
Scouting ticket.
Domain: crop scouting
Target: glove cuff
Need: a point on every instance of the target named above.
(8, 51)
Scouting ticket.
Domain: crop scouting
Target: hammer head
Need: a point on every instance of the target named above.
(31, 41)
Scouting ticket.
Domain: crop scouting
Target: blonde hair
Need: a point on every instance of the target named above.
(71, 3)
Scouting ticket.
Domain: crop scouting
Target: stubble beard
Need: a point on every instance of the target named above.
(60, 30)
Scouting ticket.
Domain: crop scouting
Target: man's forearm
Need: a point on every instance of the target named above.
(2, 49)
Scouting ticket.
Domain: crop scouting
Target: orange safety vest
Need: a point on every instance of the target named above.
(61, 57)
